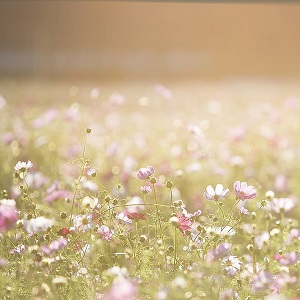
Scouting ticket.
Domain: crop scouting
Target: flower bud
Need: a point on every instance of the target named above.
(153, 180)
(269, 195)
(178, 203)
(263, 202)
(169, 184)
(143, 238)
(170, 249)
(63, 215)
(107, 199)
(88, 130)
(250, 247)
(174, 221)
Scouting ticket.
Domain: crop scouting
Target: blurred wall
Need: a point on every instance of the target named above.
(134, 39)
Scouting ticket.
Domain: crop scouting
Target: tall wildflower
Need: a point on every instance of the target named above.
(243, 191)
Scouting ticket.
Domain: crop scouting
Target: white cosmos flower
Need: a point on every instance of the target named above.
(8, 202)
(37, 225)
(22, 165)
(89, 202)
(231, 264)
(225, 231)
(135, 204)
(281, 204)
(216, 194)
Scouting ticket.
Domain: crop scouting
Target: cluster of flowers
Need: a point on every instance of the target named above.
(103, 221)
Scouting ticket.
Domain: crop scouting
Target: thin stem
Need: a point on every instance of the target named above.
(171, 198)
(157, 212)
(79, 179)
(175, 247)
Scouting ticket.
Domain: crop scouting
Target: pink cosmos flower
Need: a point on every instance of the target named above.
(184, 223)
(262, 281)
(228, 294)
(122, 289)
(221, 250)
(136, 216)
(146, 189)
(244, 211)
(145, 173)
(284, 280)
(287, 258)
(55, 195)
(105, 232)
(8, 217)
(294, 234)
(54, 246)
(243, 191)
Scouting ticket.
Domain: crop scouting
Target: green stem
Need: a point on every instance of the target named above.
(171, 198)
(175, 248)
(157, 212)
(79, 179)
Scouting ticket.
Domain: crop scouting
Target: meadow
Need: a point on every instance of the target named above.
(149, 190)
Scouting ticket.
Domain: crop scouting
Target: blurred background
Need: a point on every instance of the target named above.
(134, 40)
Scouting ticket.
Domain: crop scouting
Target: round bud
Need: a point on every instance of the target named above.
(188, 233)
(269, 195)
(174, 221)
(153, 180)
(63, 215)
(178, 203)
(119, 186)
(33, 206)
(122, 236)
(88, 130)
(143, 238)
(107, 199)
(169, 184)
(170, 249)
(250, 247)
(263, 202)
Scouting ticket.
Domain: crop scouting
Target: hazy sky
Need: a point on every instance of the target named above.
(144, 38)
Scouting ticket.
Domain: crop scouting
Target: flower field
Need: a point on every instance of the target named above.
(147, 190)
